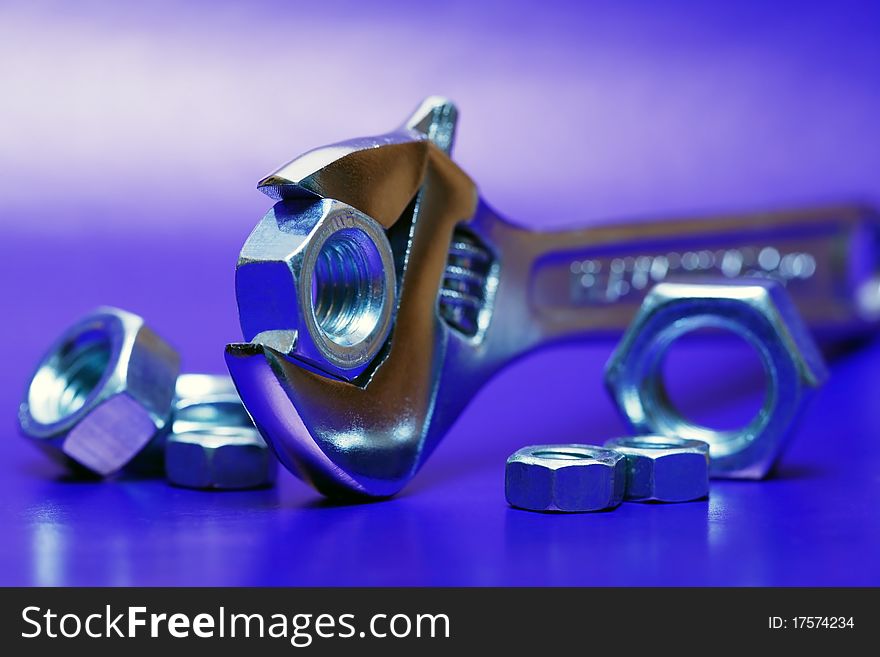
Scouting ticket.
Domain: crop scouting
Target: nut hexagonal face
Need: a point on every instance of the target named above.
(316, 281)
(664, 468)
(760, 312)
(102, 392)
(219, 458)
(567, 478)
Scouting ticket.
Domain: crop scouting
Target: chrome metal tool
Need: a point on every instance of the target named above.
(381, 292)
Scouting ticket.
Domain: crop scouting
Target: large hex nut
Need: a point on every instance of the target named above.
(664, 468)
(213, 443)
(102, 392)
(761, 312)
(315, 280)
(569, 478)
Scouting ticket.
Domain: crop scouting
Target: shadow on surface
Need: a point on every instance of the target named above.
(794, 471)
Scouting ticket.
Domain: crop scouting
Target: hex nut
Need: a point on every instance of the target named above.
(664, 468)
(101, 393)
(761, 312)
(315, 280)
(567, 478)
(213, 444)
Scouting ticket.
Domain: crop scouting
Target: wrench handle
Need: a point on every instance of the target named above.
(590, 282)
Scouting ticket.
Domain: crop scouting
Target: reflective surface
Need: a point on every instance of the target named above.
(681, 109)
(815, 523)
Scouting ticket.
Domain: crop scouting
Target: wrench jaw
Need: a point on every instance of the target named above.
(378, 175)
(326, 432)
(369, 436)
(355, 442)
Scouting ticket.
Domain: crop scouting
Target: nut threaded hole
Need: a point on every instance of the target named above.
(737, 373)
(348, 287)
(62, 386)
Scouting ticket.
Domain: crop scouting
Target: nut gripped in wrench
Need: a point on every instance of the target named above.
(369, 435)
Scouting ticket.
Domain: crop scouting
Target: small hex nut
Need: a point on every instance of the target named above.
(567, 478)
(102, 393)
(664, 468)
(315, 280)
(213, 444)
(758, 310)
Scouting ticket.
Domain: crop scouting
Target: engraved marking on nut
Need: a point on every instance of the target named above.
(634, 373)
(569, 478)
(347, 290)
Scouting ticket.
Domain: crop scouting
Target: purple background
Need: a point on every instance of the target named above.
(131, 138)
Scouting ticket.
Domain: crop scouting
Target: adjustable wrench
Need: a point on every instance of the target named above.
(469, 292)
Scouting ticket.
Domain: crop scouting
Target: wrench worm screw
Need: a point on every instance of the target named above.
(465, 281)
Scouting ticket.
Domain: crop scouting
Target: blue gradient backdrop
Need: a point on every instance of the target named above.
(131, 138)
